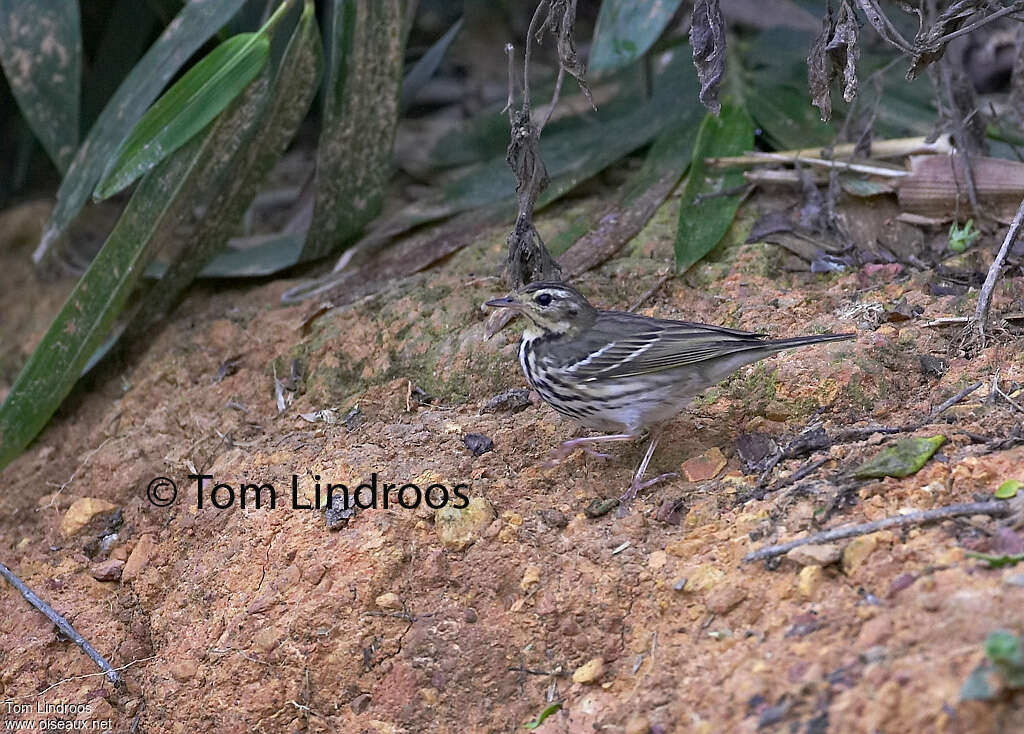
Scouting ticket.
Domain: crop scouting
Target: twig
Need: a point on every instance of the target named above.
(978, 24)
(510, 51)
(62, 624)
(541, 6)
(996, 508)
(93, 675)
(985, 297)
(554, 99)
(960, 136)
(954, 400)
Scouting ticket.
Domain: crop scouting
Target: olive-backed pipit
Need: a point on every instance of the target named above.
(622, 373)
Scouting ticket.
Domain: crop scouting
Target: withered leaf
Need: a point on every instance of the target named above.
(707, 37)
(835, 48)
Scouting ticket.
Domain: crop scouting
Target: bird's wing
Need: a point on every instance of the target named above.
(620, 345)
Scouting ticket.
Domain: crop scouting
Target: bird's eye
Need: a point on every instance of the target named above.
(544, 299)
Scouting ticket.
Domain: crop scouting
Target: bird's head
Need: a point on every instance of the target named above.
(553, 308)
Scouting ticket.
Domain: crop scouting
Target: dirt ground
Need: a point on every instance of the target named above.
(257, 619)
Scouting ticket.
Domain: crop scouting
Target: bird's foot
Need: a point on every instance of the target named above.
(586, 443)
(637, 486)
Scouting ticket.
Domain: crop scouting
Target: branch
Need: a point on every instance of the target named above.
(996, 508)
(62, 624)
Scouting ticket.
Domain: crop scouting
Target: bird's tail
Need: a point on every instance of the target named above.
(803, 341)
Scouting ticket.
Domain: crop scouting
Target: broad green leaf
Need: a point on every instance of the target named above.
(41, 54)
(121, 45)
(189, 30)
(90, 310)
(198, 189)
(243, 144)
(1008, 489)
(626, 29)
(705, 214)
(903, 458)
(186, 108)
(424, 68)
(365, 42)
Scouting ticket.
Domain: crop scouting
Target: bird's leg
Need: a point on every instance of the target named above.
(562, 452)
(638, 485)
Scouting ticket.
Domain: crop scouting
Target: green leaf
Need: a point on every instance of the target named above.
(1008, 489)
(186, 108)
(364, 51)
(189, 30)
(976, 687)
(903, 458)
(243, 145)
(626, 29)
(703, 221)
(424, 68)
(1006, 651)
(997, 561)
(198, 189)
(550, 709)
(90, 310)
(41, 54)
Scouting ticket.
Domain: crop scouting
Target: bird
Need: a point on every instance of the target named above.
(624, 374)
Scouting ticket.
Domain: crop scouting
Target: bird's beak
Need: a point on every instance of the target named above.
(507, 302)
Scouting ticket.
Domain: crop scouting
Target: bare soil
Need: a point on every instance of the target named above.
(260, 619)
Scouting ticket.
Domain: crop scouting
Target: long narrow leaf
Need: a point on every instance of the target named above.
(90, 310)
(186, 108)
(364, 50)
(703, 221)
(425, 67)
(41, 54)
(244, 147)
(189, 30)
(626, 29)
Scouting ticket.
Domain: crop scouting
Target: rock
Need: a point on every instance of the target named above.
(725, 600)
(478, 443)
(810, 580)
(81, 512)
(510, 401)
(389, 600)
(554, 518)
(470, 616)
(589, 672)
(360, 703)
(857, 551)
(874, 632)
(704, 467)
(638, 725)
(657, 559)
(183, 670)
(531, 577)
(139, 557)
(457, 529)
(107, 571)
(815, 555)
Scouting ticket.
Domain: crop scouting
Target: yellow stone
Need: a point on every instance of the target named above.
(589, 672)
(857, 552)
(531, 577)
(81, 512)
(811, 578)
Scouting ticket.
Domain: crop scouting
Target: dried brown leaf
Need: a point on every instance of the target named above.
(835, 48)
(707, 37)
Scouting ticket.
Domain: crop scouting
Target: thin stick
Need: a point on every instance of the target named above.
(996, 508)
(510, 51)
(954, 400)
(985, 297)
(978, 24)
(654, 289)
(554, 99)
(62, 624)
(526, 55)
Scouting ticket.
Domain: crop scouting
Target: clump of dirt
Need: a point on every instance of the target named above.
(261, 618)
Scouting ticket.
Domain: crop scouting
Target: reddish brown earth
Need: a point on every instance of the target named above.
(263, 619)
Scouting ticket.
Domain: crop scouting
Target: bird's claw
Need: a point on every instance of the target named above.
(638, 486)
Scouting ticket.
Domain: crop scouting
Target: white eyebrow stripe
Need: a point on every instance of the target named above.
(584, 362)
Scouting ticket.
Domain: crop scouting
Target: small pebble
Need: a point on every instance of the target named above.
(478, 443)
(599, 507)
